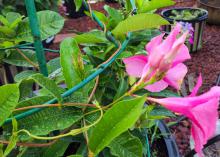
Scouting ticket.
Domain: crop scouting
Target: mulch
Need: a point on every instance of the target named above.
(205, 61)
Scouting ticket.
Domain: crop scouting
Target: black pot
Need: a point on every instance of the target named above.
(169, 140)
(198, 24)
(71, 9)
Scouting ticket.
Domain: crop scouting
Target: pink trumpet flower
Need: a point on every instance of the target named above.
(201, 110)
(164, 56)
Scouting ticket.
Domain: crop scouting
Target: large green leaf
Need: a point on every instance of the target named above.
(71, 62)
(8, 101)
(91, 37)
(126, 145)
(115, 121)
(50, 23)
(47, 84)
(139, 22)
(23, 75)
(155, 4)
(47, 120)
(38, 100)
(17, 59)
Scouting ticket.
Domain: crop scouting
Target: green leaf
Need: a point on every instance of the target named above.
(48, 84)
(123, 87)
(13, 139)
(75, 156)
(31, 152)
(12, 17)
(7, 31)
(113, 13)
(4, 21)
(115, 16)
(71, 62)
(91, 37)
(23, 75)
(53, 65)
(57, 149)
(26, 89)
(47, 120)
(15, 58)
(38, 100)
(164, 93)
(115, 121)
(139, 22)
(160, 112)
(50, 23)
(101, 16)
(78, 4)
(8, 101)
(126, 145)
(1, 149)
(106, 153)
(155, 4)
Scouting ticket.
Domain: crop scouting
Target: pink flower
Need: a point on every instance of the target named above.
(201, 110)
(164, 56)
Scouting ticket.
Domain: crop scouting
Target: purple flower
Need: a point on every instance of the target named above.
(186, 26)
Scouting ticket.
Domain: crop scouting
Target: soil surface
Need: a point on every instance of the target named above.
(205, 61)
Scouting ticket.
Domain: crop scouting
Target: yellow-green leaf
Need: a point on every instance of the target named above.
(8, 101)
(115, 121)
(139, 22)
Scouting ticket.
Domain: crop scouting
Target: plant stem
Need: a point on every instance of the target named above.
(30, 144)
(91, 154)
(94, 89)
(53, 105)
(27, 59)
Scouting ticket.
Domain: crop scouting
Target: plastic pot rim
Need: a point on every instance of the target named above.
(199, 19)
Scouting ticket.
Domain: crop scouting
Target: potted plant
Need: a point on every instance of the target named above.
(189, 17)
(72, 10)
(105, 101)
(213, 7)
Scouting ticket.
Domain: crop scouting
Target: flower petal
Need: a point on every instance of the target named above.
(157, 87)
(154, 43)
(214, 92)
(206, 115)
(182, 55)
(175, 75)
(135, 65)
(198, 139)
(171, 38)
(197, 86)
